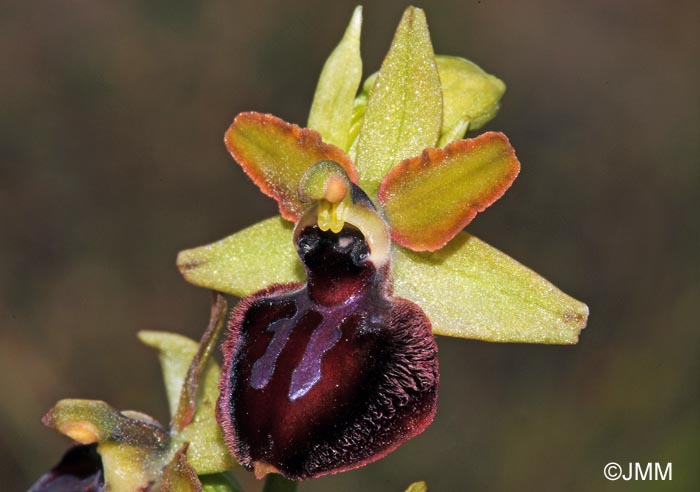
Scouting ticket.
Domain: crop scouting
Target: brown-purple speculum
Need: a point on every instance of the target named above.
(331, 374)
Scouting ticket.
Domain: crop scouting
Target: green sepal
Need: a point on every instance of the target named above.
(417, 487)
(175, 353)
(129, 468)
(470, 97)
(90, 421)
(245, 262)
(132, 445)
(404, 110)
(207, 452)
(331, 110)
(359, 108)
(469, 289)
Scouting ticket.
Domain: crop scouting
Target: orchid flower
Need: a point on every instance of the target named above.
(330, 360)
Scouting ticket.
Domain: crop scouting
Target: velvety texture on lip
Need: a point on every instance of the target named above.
(329, 375)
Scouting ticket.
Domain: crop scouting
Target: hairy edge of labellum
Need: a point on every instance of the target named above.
(224, 409)
(413, 366)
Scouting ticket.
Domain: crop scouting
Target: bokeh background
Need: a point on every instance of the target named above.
(111, 161)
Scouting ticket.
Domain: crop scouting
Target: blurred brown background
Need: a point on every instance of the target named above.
(111, 160)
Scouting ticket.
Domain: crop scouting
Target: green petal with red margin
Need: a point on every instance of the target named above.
(275, 154)
(428, 199)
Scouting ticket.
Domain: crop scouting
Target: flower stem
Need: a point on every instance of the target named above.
(277, 483)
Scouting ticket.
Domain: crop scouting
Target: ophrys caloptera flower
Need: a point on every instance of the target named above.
(330, 360)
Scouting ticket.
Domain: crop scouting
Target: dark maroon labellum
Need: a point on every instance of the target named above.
(329, 375)
(80, 470)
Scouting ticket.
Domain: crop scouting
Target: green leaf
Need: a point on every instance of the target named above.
(331, 110)
(207, 452)
(245, 262)
(428, 199)
(275, 154)
(417, 487)
(404, 110)
(470, 97)
(219, 482)
(470, 290)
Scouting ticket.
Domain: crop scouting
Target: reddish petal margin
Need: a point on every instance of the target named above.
(428, 199)
(275, 154)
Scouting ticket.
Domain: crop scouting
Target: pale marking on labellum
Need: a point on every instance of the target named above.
(323, 337)
(308, 372)
(264, 367)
